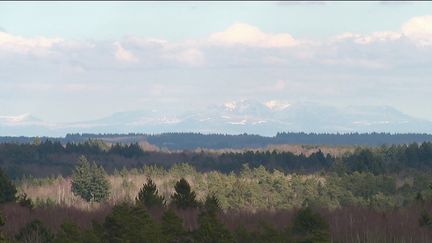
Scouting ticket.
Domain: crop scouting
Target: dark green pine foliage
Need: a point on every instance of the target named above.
(211, 229)
(71, 233)
(2, 222)
(89, 181)
(130, 224)
(35, 232)
(183, 197)
(172, 227)
(148, 195)
(310, 227)
(211, 205)
(7, 189)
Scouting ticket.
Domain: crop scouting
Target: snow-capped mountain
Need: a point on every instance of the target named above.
(232, 117)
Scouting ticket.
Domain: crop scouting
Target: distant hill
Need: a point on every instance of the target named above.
(236, 117)
(188, 141)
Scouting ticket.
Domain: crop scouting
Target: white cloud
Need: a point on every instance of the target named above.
(192, 57)
(124, 55)
(365, 39)
(419, 29)
(245, 34)
(35, 45)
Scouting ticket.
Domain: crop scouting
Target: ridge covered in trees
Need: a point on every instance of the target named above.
(51, 158)
(180, 141)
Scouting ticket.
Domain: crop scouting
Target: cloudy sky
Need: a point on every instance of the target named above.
(70, 61)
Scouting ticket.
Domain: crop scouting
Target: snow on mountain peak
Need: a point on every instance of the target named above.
(231, 105)
(277, 105)
(16, 119)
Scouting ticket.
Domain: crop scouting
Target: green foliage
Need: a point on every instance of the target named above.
(183, 197)
(71, 233)
(310, 227)
(172, 227)
(148, 195)
(130, 224)
(7, 189)
(211, 230)
(89, 181)
(211, 205)
(2, 222)
(34, 232)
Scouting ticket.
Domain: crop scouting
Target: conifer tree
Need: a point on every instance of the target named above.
(172, 227)
(310, 226)
(148, 195)
(183, 197)
(2, 222)
(89, 181)
(7, 189)
(35, 232)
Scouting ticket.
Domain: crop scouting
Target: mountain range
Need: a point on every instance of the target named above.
(235, 117)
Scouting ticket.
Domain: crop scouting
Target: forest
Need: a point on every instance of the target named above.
(93, 191)
(188, 141)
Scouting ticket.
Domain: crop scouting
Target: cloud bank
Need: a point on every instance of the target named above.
(240, 61)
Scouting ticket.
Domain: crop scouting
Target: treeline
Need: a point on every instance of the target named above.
(131, 221)
(181, 141)
(50, 158)
(225, 213)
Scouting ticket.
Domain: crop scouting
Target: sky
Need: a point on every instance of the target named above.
(74, 61)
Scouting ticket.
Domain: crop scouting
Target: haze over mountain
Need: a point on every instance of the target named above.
(234, 117)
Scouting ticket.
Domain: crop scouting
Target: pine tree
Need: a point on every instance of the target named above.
(172, 227)
(211, 205)
(130, 224)
(7, 189)
(148, 195)
(2, 222)
(89, 181)
(35, 232)
(183, 197)
(310, 226)
(211, 230)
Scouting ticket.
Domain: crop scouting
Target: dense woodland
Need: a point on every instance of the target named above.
(48, 158)
(182, 141)
(93, 191)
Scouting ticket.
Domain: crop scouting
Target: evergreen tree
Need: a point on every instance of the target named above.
(34, 232)
(2, 222)
(148, 195)
(7, 189)
(130, 224)
(172, 227)
(310, 227)
(71, 233)
(211, 205)
(89, 181)
(211, 230)
(183, 197)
